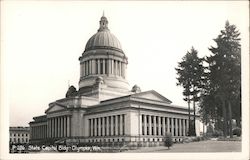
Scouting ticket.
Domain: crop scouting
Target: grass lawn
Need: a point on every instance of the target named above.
(202, 146)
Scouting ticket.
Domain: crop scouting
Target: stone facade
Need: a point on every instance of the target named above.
(103, 110)
(19, 135)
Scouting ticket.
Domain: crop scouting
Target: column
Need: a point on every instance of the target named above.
(61, 129)
(154, 125)
(168, 124)
(52, 127)
(48, 127)
(125, 70)
(99, 126)
(184, 127)
(121, 131)
(112, 66)
(94, 126)
(58, 126)
(109, 66)
(176, 126)
(64, 126)
(39, 132)
(116, 125)
(103, 126)
(68, 126)
(99, 66)
(83, 68)
(55, 128)
(93, 66)
(43, 131)
(172, 126)
(112, 126)
(116, 68)
(107, 122)
(180, 127)
(140, 126)
(159, 125)
(50, 130)
(103, 64)
(163, 126)
(187, 127)
(145, 124)
(150, 125)
(120, 68)
(90, 66)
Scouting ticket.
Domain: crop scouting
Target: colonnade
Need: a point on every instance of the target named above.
(103, 66)
(107, 126)
(58, 127)
(38, 132)
(158, 125)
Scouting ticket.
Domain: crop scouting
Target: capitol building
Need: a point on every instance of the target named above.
(105, 109)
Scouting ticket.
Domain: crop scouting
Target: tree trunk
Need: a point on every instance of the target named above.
(194, 128)
(189, 124)
(224, 118)
(230, 119)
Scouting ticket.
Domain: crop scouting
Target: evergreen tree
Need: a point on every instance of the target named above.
(225, 78)
(190, 72)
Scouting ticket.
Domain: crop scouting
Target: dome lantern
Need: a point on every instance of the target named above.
(103, 23)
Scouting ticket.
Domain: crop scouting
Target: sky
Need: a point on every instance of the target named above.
(41, 42)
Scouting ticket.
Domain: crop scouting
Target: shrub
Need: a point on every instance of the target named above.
(217, 133)
(237, 131)
(168, 140)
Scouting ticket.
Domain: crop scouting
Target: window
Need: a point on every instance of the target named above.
(96, 66)
(101, 66)
(115, 70)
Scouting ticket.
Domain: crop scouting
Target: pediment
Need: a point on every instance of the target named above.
(151, 95)
(55, 107)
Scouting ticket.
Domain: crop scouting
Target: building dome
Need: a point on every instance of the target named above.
(103, 39)
(103, 64)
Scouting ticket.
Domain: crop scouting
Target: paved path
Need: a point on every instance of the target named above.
(202, 146)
